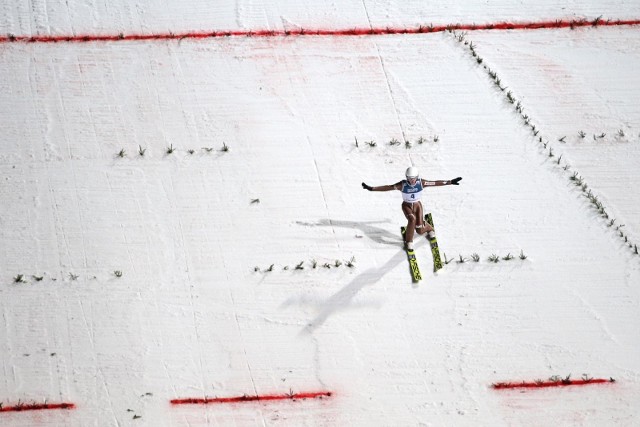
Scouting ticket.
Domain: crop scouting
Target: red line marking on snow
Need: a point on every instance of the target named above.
(266, 397)
(545, 384)
(598, 22)
(36, 407)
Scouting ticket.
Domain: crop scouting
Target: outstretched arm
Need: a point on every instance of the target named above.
(380, 188)
(438, 183)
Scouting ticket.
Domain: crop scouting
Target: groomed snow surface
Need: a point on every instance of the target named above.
(131, 280)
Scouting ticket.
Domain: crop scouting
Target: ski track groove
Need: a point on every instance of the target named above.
(171, 382)
(99, 372)
(8, 342)
(317, 171)
(324, 197)
(70, 352)
(140, 213)
(390, 92)
(594, 313)
(366, 12)
(414, 359)
(72, 167)
(189, 281)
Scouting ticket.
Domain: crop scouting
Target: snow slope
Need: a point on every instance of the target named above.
(197, 312)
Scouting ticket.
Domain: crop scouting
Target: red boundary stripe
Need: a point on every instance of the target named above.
(36, 407)
(544, 384)
(598, 22)
(245, 398)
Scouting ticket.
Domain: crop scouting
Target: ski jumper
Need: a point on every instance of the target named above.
(412, 207)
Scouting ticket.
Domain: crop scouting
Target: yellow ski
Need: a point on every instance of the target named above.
(437, 262)
(413, 262)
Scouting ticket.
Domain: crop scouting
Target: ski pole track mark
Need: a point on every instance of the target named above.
(354, 32)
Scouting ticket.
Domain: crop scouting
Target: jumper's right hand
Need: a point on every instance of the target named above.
(367, 187)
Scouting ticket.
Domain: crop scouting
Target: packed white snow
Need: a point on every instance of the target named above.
(184, 218)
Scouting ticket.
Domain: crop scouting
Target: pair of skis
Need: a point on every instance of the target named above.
(435, 252)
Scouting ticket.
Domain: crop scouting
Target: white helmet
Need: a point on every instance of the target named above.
(412, 172)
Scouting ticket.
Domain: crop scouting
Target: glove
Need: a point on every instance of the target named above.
(367, 187)
(456, 181)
